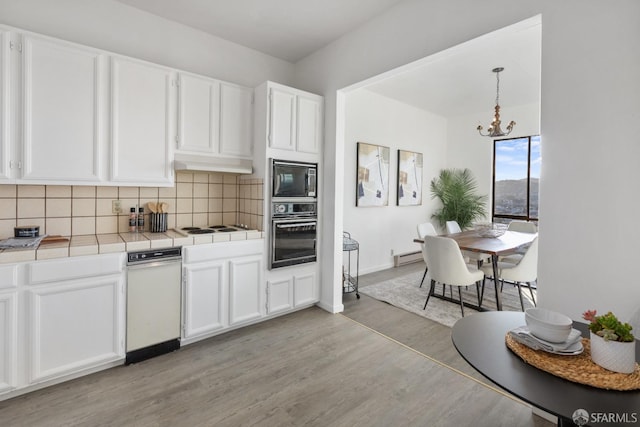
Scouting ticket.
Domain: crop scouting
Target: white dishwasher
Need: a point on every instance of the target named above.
(154, 291)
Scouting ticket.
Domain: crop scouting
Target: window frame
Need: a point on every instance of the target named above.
(528, 216)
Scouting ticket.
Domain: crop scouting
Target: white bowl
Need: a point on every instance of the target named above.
(548, 325)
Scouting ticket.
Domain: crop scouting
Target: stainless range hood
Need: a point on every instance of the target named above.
(203, 163)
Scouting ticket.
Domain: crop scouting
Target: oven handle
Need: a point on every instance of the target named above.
(297, 224)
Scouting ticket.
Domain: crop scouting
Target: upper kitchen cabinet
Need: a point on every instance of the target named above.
(142, 122)
(236, 120)
(64, 107)
(294, 118)
(4, 104)
(215, 118)
(198, 114)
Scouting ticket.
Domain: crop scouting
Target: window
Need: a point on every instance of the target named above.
(516, 176)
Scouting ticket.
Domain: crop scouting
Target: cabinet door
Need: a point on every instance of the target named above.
(279, 295)
(236, 120)
(75, 326)
(245, 289)
(305, 290)
(205, 308)
(199, 114)
(64, 104)
(143, 122)
(282, 119)
(8, 340)
(309, 124)
(5, 97)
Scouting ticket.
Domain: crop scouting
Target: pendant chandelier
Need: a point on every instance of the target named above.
(494, 129)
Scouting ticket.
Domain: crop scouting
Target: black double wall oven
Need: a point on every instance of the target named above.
(294, 213)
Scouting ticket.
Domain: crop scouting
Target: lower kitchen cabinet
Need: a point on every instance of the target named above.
(245, 289)
(74, 315)
(8, 327)
(74, 326)
(8, 340)
(305, 289)
(291, 288)
(223, 287)
(205, 291)
(279, 295)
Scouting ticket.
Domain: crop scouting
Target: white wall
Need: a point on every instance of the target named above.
(375, 119)
(590, 122)
(467, 149)
(116, 27)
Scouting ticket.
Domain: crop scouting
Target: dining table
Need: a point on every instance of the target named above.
(506, 244)
(480, 340)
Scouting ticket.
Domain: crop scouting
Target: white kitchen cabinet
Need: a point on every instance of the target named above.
(215, 118)
(279, 295)
(199, 114)
(64, 105)
(236, 120)
(295, 119)
(142, 122)
(206, 300)
(223, 287)
(305, 289)
(5, 97)
(8, 340)
(245, 289)
(291, 288)
(75, 315)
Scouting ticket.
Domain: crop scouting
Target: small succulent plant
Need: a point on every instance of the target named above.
(608, 326)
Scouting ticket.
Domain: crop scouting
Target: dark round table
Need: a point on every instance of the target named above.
(480, 340)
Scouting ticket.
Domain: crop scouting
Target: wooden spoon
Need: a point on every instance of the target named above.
(163, 207)
(152, 207)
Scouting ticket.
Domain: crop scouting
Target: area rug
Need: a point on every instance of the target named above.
(405, 292)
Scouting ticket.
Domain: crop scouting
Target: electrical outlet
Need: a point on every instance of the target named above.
(116, 207)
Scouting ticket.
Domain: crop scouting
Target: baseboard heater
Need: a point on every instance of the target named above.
(406, 258)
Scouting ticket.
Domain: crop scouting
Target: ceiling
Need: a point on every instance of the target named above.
(455, 82)
(460, 80)
(285, 29)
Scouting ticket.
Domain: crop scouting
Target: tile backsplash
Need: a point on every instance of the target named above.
(197, 199)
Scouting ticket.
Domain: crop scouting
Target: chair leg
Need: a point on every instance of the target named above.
(533, 298)
(461, 303)
(424, 275)
(433, 286)
(520, 295)
(480, 284)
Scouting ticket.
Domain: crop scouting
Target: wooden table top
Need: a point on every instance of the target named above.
(470, 240)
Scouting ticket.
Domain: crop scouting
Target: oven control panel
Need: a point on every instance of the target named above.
(281, 209)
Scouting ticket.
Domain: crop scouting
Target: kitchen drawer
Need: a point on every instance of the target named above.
(74, 268)
(203, 253)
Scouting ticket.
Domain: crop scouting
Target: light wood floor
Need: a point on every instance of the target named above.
(374, 365)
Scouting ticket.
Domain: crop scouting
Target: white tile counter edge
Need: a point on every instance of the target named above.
(123, 242)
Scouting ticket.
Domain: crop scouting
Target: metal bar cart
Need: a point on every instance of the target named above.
(349, 280)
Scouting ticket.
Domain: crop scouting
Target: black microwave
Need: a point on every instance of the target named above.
(293, 179)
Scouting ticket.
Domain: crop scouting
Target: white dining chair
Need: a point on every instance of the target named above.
(524, 272)
(447, 266)
(475, 257)
(425, 229)
(521, 227)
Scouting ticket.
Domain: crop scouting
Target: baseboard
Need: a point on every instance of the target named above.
(407, 258)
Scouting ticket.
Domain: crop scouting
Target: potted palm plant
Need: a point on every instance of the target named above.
(456, 190)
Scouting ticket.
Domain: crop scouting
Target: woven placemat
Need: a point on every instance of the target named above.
(578, 369)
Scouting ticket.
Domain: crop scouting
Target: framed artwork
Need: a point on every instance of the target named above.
(372, 186)
(409, 178)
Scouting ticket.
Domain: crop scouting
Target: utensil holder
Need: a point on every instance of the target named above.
(158, 222)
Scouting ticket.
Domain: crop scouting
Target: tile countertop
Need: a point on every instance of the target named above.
(124, 242)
